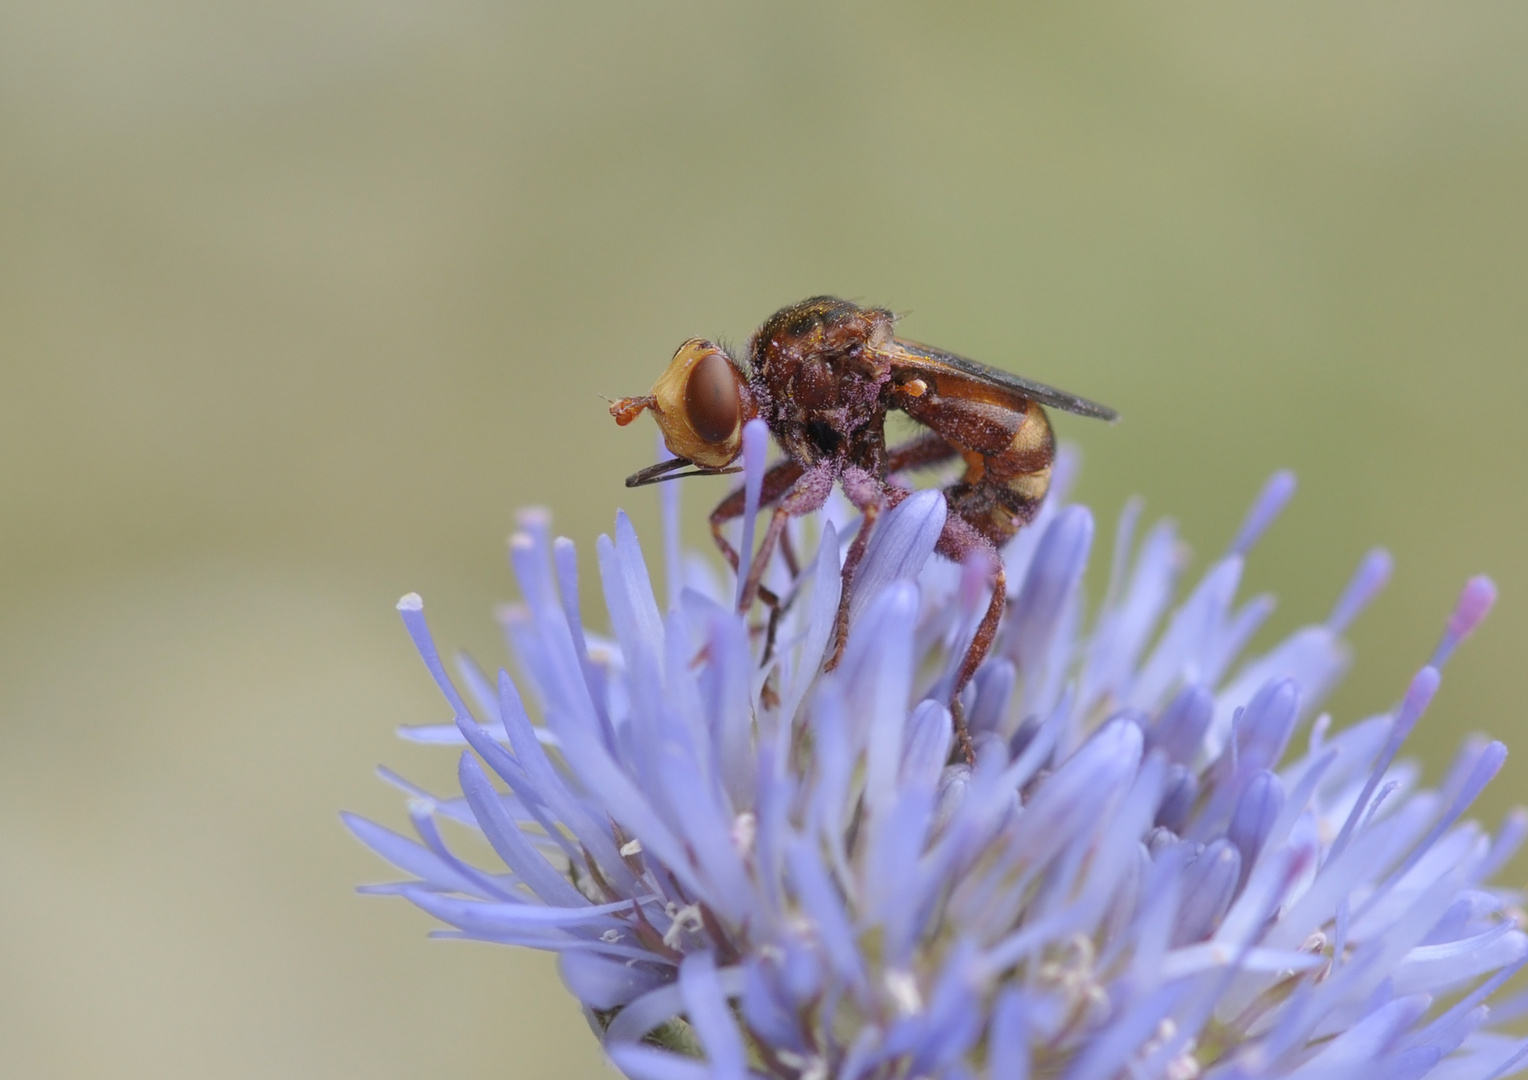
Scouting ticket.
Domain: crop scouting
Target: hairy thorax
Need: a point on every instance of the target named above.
(819, 380)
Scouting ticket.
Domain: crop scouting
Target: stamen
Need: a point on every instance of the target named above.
(1418, 696)
(1271, 501)
(411, 607)
(1474, 604)
(755, 447)
(668, 509)
(1372, 575)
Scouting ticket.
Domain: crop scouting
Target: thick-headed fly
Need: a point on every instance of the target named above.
(823, 374)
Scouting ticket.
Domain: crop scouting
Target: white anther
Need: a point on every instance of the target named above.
(1183, 1066)
(744, 828)
(685, 918)
(902, 987)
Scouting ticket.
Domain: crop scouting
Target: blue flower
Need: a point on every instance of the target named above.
(1164, 862)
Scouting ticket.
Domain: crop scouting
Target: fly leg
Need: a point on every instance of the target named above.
(958, 542)
(777, 481)
(851, 564)
(925, 450)
(807, 493)
(1008, 448)
(871, 495)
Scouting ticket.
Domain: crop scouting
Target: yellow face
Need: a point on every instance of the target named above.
(698, 403)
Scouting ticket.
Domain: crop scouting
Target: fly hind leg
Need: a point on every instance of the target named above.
(983, 516)
(959, 542)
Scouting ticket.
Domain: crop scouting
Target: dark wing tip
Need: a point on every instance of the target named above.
(1077, 406)
(1099, 412)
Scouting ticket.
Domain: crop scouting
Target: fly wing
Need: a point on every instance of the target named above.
(911, 356)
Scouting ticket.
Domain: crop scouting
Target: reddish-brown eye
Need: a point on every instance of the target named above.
(711, 398)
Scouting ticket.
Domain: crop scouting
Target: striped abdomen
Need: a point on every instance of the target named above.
(1007, 445)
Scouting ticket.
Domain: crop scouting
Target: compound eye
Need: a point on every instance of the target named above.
(711, 400)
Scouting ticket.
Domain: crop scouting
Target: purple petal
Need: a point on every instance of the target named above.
(755, 449)
(822, 904)
(1179, 794)
(1007, 1041)
(1179, 730)
(1178, 657)
(604, 983)
(1049, 589)
(1475, 603)
(411, 607)
(826, 582)
(902, 541)
(641, 1062)
(1123, 631)
(926, 745)
(1271, 501)
(894, 892)
(705, 1003)
(410, 857)
(510, 844)
(668, 512)
(566, 557)
(1418, 696)
(1209, 883)
(1482, 771)
(593, 835)
(1371, 577)
(766, 1011)
(1355, 1051)
(1261, 804)
(1108, 1054)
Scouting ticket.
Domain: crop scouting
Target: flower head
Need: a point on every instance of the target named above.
(1162, 863)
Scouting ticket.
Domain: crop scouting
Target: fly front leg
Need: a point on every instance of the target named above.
(795, 491)
(808, 491)
(777, 481)
(870, 494)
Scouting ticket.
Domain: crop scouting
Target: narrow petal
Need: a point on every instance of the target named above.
(901, 543)
(755, 450)
(510, 844)
(1270, 503)
(1475, 603)
(705, 1004)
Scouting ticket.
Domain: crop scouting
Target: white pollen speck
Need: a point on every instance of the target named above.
(685, 918)
(903, 990)
(630, 848)
(411, 602)
(744, 827)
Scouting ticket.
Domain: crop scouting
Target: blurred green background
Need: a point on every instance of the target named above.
(299, 302)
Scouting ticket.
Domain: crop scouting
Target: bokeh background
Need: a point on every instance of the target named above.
(300, 301)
